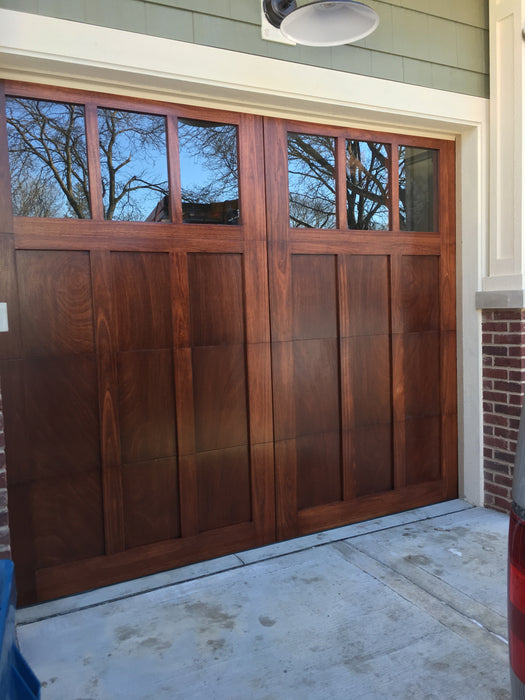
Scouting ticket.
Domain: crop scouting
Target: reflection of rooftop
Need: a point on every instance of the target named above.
(226, 212)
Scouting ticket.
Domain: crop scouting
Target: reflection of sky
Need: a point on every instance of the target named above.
(139, 153)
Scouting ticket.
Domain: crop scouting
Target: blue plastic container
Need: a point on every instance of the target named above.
(17, 680)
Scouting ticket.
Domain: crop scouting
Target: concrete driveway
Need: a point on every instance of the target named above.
(408, 606)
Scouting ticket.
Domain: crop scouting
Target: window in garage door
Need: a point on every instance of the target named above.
(194, 292)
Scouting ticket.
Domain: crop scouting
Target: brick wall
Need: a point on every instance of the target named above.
(503, 388)
(5, 549)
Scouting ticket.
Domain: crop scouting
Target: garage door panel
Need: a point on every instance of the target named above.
(367, 295)
(372, 459)
(420, 307)
(68, 513)
(423, 449)
(55, 302)
(319, 472)
(224, 487)
(316, 386)
(151, 501)
(220, 405)
(142, 300)
(146, 405)
(314, 296)
(216, 299)
(61, 415)
(422, 374)
(370, 378)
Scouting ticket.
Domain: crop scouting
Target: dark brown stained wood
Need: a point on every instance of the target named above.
(93, 157)
(184, 358)
(151, 501)
(319, 477)
(142, 561)
(314, 296)
(142, 292)
(220, 399)
(69, 516)
(106, 344)
(422, 374)
(175, 200)
(146, 405)
(223, 478)
(423, 453)
(10, 341)
(372, 449)
(61, 417)
(420, 293)
(6, 213)
(316, 386)
(56, 307)
(216, 299)
(368, 294)
(251, 178)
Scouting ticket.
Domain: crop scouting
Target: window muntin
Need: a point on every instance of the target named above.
(417, 183)
(209, 170)
(47, 158)
(367, 185)
(133, 164)
(311, 181)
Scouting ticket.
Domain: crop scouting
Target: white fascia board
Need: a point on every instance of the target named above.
(35, 48)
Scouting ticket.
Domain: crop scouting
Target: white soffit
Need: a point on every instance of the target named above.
(48, 50)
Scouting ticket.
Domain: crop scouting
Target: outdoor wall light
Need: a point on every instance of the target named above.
(321, 22)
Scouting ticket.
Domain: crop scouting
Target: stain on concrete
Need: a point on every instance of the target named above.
(212, 614)
(216, 645)
(417, 559)
(155, 644)
(266, 621)
(126, 632)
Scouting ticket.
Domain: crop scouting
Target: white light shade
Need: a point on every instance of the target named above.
(329, 22)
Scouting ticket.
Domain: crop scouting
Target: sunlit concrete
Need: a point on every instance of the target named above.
(408, 606)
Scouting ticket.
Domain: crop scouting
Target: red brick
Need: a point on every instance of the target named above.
(517, 351)
(497, 490)
(497, 420)
(507, 339)
(495, 327)
(509, 387)
(495, 351)
(508, 362)
(506, 433)
(492, 373)
(503, 480)
(507, 410)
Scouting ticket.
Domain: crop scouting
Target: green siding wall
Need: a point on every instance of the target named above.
(441, 44)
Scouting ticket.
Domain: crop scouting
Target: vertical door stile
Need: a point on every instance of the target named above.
(258, 357)
(346, 394)
(93, 158)
(184, 409)
(394, 185)
(281, 315)
(106, 350)
(175, 198)
(398, 373)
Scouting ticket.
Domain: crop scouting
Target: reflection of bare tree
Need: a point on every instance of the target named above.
(47, 151)
(312, 182)
(133, 162)
(367, 185)
(48, 160)
(416, 188)
(212, 148)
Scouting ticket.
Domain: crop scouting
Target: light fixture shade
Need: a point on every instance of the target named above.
(329, 22)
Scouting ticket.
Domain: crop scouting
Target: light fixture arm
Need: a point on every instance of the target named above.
(276, 10)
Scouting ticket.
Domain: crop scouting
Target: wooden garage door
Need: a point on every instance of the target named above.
(362, 289)
(163, 404)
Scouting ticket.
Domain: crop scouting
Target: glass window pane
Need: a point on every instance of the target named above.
(209, 171)
(417, 205)
(47, 158)
(367, 185)
(311, 181)
(133, 164)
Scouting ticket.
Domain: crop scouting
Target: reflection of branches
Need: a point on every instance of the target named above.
(133, 154)
(211, 148)
(366, 185)
(47, 145)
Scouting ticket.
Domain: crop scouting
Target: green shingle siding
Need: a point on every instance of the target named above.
(439, 44)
